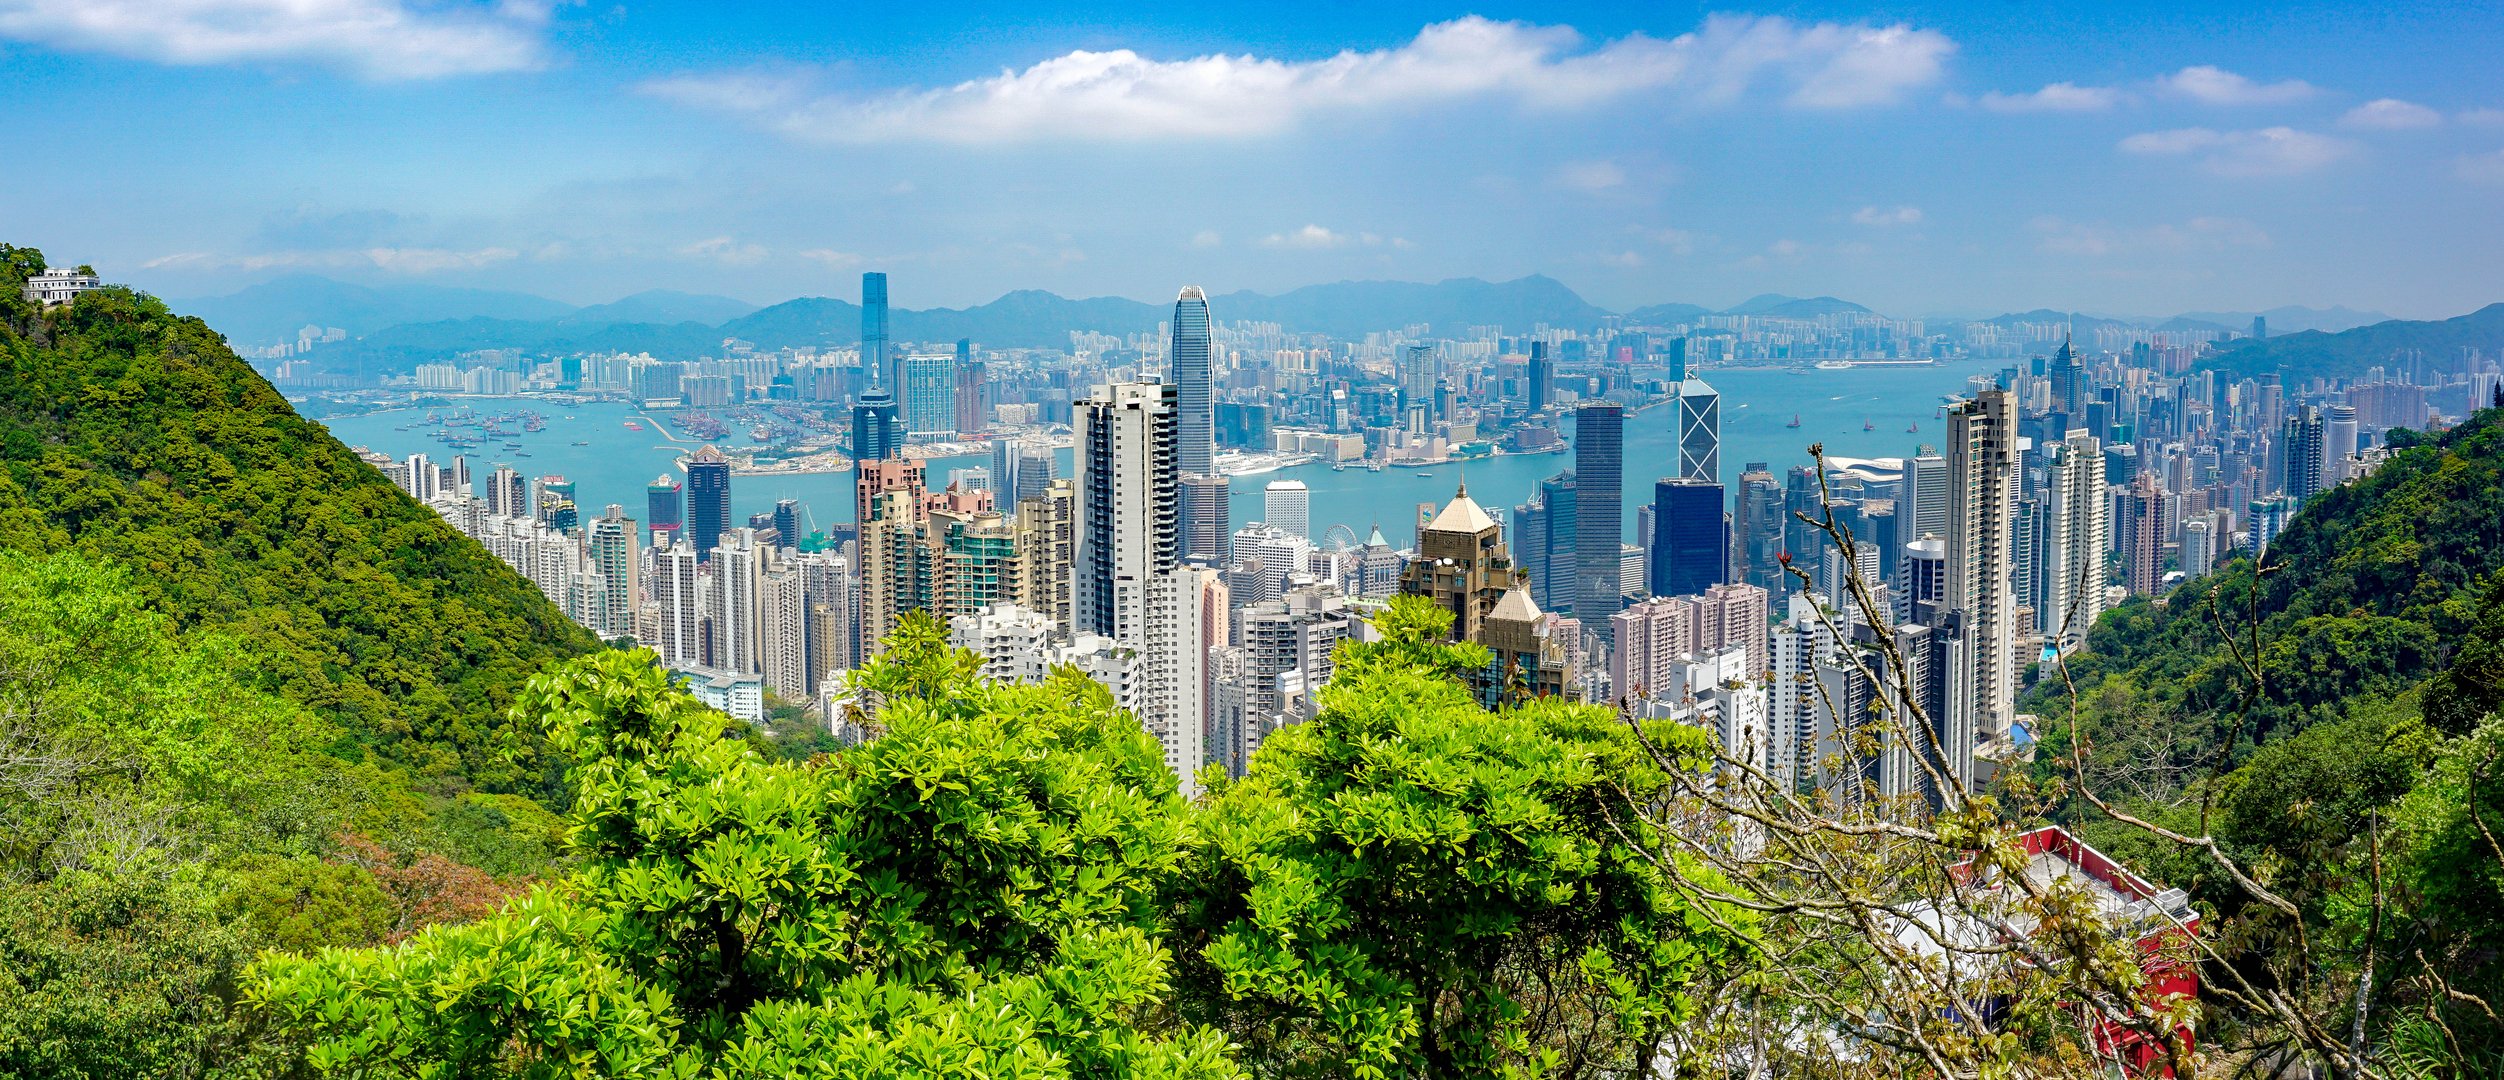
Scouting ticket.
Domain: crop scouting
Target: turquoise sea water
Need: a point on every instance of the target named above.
(1756, 405)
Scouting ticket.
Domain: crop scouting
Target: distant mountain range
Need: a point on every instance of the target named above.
(2309, 354)
(394, 328)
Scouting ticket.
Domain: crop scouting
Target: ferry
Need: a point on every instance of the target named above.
(633, 426)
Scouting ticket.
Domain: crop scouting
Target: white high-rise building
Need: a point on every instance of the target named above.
(676, 589)
(737, 606)
(614, 547)
(1127, 584)
(1982, 476)
(2077, 532)
(1287, 505)
(1800, 645)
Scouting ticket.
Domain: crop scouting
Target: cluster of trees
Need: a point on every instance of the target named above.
(1005, 883)
(2328, 717)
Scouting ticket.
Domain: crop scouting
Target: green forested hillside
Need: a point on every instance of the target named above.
(132, 434)
(2333, 723)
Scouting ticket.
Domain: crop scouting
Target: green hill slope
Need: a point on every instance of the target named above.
(131, 433)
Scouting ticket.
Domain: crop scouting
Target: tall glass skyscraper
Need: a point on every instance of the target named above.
(1600, 514)
(874, 364)
(708, 500)
(1195, 444)
(662, 510)
(1690, 541)
(1542, 375)
(1699, 432)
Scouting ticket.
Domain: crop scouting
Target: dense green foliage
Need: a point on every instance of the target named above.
(1410, 885)
(2332, 718)
(161, 819)
(1005, 884)
(2300, 358)
(132, 434)
(973, 894)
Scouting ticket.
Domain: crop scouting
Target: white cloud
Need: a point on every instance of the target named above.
(1876, 216)
(2056, 97)
(724, 250)
(2200, 234)
(378, 39)
(1207, 238)
(1592, 176)
(2211, 85)
(833, 259)
(1120, 94)
(397, 260)
(2487, 168)
(1310, 237)
(2391, 114)
(2482, 117)
(1627, 260)
(2275, 151)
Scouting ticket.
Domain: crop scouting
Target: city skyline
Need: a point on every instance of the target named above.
(2130, 160)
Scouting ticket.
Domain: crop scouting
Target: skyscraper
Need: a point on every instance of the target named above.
(1542, 374)
(1760, 528)
(874, 369)
(1690, 540)
(2076, 528)
(1287, 505)
(1600, 480)
(2305, 439)
(1982, 479)
(611, 542)
(1699, 431)
(970, 391)
(787, 523)
(2144, 528)
(928, 394)
(1128, 585)
(1195, 438)
(1130, 504)
(1207, 508)
(708, 500)
(876, 433)
(664, 507)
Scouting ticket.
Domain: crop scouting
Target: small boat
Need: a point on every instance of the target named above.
(1913, 430)
(1867, 426)
(1795, 421)
(579, 442)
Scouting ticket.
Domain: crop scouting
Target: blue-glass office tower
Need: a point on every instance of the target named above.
(874, 357)
(1600, 513)
(877, 433)
(1690, 541)
(787, 522)
(1195, 444)
(708, 500)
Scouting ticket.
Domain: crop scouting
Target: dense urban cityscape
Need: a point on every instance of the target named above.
(1058, 541)
(2052, 488)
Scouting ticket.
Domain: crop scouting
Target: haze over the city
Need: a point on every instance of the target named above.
(1921, 159)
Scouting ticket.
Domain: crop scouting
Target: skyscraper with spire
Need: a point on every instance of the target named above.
(1195, 430)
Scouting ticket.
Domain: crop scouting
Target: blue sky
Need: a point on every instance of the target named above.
(1921, 158)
